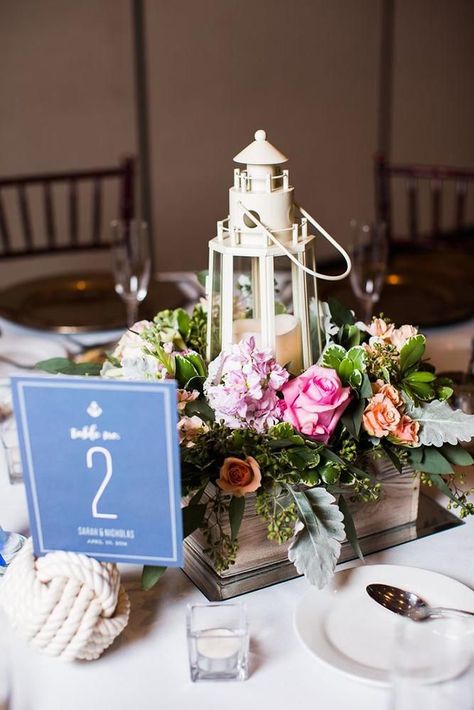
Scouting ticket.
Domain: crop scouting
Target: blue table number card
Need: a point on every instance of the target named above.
(101, 467)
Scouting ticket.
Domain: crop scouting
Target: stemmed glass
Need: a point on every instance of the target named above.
(369, 253)
(433, 664)
(132, 263)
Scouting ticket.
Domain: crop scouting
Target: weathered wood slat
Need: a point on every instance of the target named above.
(49, 215)
(25, 216)
(5, 243)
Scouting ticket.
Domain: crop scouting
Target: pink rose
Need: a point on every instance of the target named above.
(239, 477)
(381, 416)
(315, 402)
(406, 432)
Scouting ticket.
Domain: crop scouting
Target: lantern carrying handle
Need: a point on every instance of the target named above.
(331, 240)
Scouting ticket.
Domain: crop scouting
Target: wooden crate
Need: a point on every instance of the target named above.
(261, 562)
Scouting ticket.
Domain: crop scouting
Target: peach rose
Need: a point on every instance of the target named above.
(378, 328)
(381, 416)
(184, 397)
(400, 335)
(380, 387)
(406, 432)
(239, 477)
(189, 428)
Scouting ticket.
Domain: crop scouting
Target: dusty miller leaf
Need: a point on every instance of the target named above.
(316, 548)
(439, 424)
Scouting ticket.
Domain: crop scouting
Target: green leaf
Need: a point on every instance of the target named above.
(182, 322)
(357, 355)
(415, 455)
(63, 366)
(339, 313)
(345, 369)
(351, 336)
(393, 457)
(192, 517)
(198, 363)
(316, 548)
(434, 462)
(439, 424)
(355, 380)
(352, 417)
(349, 527)
(457, 455)
(412, 352)
(284, 435)
(185, 370)
(423, 390)
(150, 576)
(444, 392)
(201, 408)
(302, 458)
(333, 356)
(202, 277)
(198, 495)
(366, 388)
(420, 376)
(236, 513)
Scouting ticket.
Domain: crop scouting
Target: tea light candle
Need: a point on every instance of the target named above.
(287, 337)
(217, 643)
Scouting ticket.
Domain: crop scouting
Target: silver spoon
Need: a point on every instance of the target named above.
(409, 604)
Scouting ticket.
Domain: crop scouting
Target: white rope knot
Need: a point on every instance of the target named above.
(65, 604)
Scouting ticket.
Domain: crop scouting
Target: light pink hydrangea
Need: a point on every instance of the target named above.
(242, 387)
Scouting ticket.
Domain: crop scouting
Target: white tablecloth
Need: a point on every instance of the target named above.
(147, 667)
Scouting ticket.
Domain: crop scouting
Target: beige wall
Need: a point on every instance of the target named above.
(433, 93)
(66, 97)
(306, 71)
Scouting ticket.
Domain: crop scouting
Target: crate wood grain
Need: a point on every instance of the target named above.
(261, 562)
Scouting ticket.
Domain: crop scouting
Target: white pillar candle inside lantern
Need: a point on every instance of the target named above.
(262, 268)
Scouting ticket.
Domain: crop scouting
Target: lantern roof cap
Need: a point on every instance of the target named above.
(260, 152)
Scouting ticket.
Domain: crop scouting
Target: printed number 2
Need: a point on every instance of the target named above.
(108, 475)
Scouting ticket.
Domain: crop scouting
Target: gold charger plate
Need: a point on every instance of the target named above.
(425, 288)
(79, 303)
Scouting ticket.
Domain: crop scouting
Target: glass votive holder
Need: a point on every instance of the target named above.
(11, 450)
(218, 641)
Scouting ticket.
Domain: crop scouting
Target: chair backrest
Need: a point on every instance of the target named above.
(414, 176)
(75, 236)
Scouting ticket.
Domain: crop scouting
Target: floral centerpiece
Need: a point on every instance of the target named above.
(301, 445)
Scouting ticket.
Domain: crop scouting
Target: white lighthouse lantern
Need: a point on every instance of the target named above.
(262, 264)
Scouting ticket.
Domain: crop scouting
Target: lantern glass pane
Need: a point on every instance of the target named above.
(289, 314)
(216, 306)
(244, 288)
(313, 309)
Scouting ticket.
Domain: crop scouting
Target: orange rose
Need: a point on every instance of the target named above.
(406, 432)
(381, 416)
(239, 477)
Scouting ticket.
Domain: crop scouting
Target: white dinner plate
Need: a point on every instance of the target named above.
(347, 630)
(26, 350)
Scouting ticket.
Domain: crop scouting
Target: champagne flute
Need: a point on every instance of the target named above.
(369, 253)
(132, 264)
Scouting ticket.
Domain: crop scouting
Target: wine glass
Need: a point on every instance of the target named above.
(132, 263)
(433, 664)
(369, 253)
